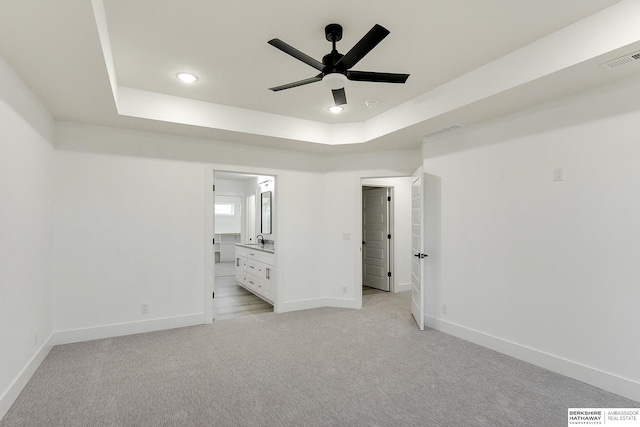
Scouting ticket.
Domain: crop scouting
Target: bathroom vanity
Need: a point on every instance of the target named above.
(255, 269)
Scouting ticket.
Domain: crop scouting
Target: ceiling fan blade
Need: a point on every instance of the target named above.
(364, 46)
(339, 96)
(298, 83)
(370, 76)
(277, 43)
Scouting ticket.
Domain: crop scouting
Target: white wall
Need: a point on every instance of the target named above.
(401, 233)
(25, 235)
(546, 270)
(128, 231)
(311, 190)
(299, 245)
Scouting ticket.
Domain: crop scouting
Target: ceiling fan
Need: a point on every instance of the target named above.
(335, 68)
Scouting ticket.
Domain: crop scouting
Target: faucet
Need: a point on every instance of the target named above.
(260, 239)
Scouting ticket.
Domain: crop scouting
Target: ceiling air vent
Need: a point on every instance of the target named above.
(623, 60)
(441, 131)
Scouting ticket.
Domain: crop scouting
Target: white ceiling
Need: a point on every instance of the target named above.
(113, 63)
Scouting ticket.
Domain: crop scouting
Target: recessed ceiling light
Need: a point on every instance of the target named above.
(335, 109)
(187, 77)
(371, 103)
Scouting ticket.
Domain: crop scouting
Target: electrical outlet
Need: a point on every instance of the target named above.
(144, 309)
(444, 308)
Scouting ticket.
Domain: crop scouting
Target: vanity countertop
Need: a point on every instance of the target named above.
(258, 247)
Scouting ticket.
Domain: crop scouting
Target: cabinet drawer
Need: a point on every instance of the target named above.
(253, 283)
(267, 258)
(252, 254)
(254, 268)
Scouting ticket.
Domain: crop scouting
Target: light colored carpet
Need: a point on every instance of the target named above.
(321, 367)
(366, 290)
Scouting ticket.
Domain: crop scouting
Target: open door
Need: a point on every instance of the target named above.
(375, 238)
(417, 248)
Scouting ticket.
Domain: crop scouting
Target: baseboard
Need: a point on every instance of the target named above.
(306, 304)
(120, 329)
(401, 287)
(596, 377)
(13, 391)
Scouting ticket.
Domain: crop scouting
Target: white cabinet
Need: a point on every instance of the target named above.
(255, 271)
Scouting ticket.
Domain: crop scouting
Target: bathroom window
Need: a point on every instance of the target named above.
(224, 209)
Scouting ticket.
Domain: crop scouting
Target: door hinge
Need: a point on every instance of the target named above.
(388, 236)
(214, 241)
(389, 274)
(388, 198)
(213, 295)
(214, 187)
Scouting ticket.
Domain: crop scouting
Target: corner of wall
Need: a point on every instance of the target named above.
(306, 304)
(15, 388)
(24, 103)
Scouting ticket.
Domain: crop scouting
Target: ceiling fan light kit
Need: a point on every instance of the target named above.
(335, 81)
(335, 68)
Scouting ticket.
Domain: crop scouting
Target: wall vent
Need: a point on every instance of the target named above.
(623, 60)
(439, 132)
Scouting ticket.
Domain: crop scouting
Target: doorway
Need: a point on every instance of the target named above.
(376, 238)
(234, 223)
(399, 227)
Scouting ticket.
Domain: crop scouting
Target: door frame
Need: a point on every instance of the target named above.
(361, 181)
(209, 226)
(390, 230)
(433, 297)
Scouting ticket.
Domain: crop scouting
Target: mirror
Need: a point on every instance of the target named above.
(265, 220)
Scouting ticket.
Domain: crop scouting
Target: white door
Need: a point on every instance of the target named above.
(417, 247)
(375, 241)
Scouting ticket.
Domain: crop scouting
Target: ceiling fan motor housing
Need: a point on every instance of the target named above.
(333, 32)
(330, 60)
